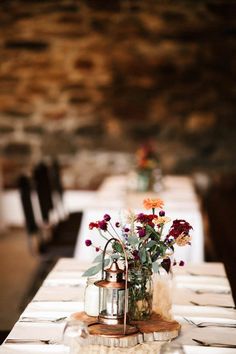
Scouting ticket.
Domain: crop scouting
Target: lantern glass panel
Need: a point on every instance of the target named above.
(112, 302)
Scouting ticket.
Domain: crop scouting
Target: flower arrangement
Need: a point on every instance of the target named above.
(148, 248)
(148, 169)
(146, 158)
(145, 242)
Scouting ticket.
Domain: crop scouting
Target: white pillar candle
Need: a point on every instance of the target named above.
(91, 298)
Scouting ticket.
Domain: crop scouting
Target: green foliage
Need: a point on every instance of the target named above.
(98, 258)
(155, 267)
(150, 244)
(133, 240)
(117, 248)
(143, 255)
(95, 269)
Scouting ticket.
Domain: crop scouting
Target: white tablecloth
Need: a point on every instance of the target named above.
(62, 294)
(113, 197)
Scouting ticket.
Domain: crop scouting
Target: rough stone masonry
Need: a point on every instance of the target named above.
(83, 79)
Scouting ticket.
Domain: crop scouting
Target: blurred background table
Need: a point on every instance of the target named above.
(114, 196)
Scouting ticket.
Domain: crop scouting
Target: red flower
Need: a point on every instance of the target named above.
(92, 225)
(136, 255)
(178, 227)
(145, 218)
(88, 243)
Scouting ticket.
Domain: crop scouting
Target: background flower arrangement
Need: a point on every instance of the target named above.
(147, 158)
(148, 168)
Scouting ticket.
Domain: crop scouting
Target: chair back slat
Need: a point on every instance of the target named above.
(43, 188)
(24, 186)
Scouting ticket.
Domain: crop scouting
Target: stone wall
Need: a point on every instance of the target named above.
(107, 75)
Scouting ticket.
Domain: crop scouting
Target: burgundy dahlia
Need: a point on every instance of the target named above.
(178, 227)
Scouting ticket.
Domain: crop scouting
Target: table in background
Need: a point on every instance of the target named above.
(113, 196)
(62, 294)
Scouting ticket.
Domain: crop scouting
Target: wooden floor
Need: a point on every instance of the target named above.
(17, 272)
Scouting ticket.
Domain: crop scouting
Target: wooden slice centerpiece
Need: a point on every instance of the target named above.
(154, 329)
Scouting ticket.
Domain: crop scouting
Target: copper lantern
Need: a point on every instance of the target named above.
(113, 296)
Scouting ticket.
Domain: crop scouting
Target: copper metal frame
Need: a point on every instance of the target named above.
(126, 275)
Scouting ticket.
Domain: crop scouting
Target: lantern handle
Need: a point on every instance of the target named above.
(126, 275)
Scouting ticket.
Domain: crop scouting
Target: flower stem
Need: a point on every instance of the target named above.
(101, 234)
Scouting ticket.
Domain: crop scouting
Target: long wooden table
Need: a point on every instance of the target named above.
(62, 294)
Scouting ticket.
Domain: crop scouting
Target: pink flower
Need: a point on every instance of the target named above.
(88, 243)
(102, 225)
(141, 232)
(106, 217)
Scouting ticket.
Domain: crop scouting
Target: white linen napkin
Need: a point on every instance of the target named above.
(205, 312)
(208, 334)
(60, 293)
(185, 296)
(207, 350)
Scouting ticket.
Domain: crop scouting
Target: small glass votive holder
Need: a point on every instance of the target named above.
(75, 335)
(172, 348)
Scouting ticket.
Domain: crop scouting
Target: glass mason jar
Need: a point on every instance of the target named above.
(144, 180)
(162, 293)
(140, 294)
(91, 297)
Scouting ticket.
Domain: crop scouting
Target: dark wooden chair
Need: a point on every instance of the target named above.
(40, 245)
(39, 236)
(65, 225)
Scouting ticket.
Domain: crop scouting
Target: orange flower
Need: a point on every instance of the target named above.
(183, 239)
(153, 203)
(161, 220)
